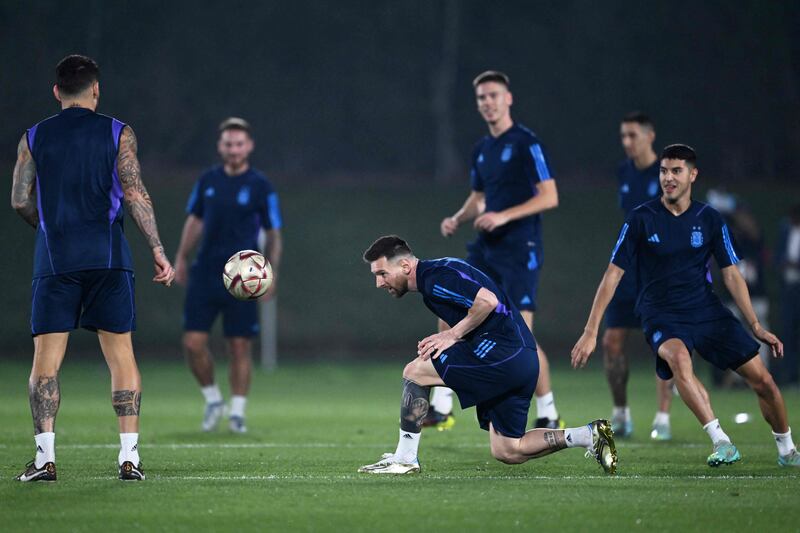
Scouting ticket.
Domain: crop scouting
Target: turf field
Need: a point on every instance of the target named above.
(312, 426)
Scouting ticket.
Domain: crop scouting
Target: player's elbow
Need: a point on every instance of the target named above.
(486, 300)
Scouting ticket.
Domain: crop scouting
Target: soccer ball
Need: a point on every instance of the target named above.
(247, 275)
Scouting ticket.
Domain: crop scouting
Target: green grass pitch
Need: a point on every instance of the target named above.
(311, 427)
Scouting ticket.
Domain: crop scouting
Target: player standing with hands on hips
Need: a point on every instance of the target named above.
(511, 187)
(669, 242)
(74, 173)
(230, 204)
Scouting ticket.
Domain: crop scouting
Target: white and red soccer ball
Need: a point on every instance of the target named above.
(247, 275)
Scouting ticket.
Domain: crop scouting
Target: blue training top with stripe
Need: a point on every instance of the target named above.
(449, 286)
(671, 256)
(507, 170)
(637, 186)
(78, 193)
(233, 210)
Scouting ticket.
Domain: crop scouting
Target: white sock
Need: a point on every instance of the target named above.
(212, 393)
(784, 442)
(238, 403)
(46, 448)
(546, 406)
(714, 431)
(442, 400)
(129, 448)
(624, 412)
(407, 446)
(661, 418)
(578, 437)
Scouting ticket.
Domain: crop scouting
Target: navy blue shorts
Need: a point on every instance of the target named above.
(515, 267)
(90, 299)
(722, 342)
(620, 312)
(497, 376)
(206, 297)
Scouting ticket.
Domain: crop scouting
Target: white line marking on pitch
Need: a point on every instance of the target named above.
(352, 477)
(258, 445)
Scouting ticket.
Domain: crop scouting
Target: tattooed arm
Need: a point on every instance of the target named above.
(23, 195)
(139, 204)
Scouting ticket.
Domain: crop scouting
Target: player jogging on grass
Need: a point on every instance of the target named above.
(228, 207)
(74, 173)
(669, 242)
(487, 356)
(638, 183)
(511, 187)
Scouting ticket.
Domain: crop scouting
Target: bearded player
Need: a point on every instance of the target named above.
(229, 206)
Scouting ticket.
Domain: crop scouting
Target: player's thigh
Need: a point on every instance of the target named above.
(671, 344)
(724, 343)
(755, 373)
(508, 414)
(240, 318)
(108, 301)
(205, 299)
(48, 353)
(55, 303)
(422, 372)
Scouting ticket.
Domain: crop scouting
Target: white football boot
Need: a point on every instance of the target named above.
(391, 464)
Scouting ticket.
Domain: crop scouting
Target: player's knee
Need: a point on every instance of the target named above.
(193, 346)
(410, 372)
(763, 384)
(612, 345)
(506, 455)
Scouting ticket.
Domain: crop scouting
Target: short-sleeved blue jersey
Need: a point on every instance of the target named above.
(233, 209)
(449, 286)
(637, 186)
(507, 169)
(671, 256)
(78, 193)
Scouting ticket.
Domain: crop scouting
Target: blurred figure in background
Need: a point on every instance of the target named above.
(637, 177)
(787, 258)
(751, 247)
(228, 207)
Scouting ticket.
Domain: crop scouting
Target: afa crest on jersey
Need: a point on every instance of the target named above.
(697, 237)
(506, 155)
(244, 195)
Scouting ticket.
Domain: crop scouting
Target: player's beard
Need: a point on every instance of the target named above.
(398, 292)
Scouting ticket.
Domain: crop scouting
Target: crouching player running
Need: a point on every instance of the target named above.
(488, 357)
(669, 242)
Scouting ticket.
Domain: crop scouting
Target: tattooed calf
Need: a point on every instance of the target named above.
(126, 402)
(44, 395)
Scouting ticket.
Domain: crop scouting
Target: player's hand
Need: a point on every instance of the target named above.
(583, 349)
(490, 221)
(766, 337)
(164, 271)
(181, 271)
(434, 345)
(448, 226)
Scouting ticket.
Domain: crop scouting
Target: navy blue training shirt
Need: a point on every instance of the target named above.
(449, 286)
(233, 209)
(507, 169)
(78, 193)
(671, 255)
(637, 186)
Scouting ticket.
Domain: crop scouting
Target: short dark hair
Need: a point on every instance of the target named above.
(684, 152)
(639, 118)
(388, 246)
(492, 75)
(76, 73)
(235, 123)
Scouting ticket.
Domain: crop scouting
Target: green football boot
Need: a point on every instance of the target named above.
(725, 453)
(793, 459)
